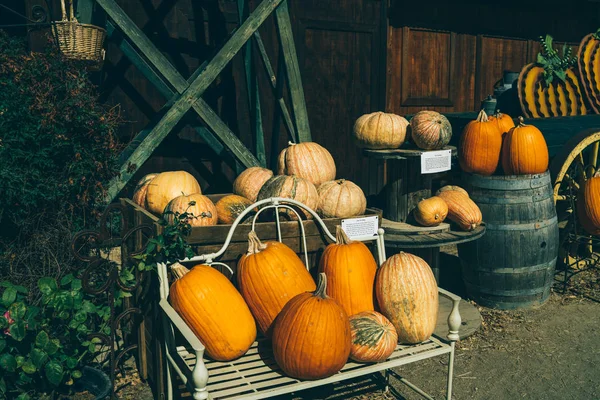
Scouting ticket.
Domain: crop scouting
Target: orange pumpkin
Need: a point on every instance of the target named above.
(214, 310)
(431, 211)
(202, 213)
(430, 130)
(524, 151)
(588, 205)
(230, 207)
(374, 338)
(168, 185)
(139, 193)
(269, 275)
(308, 160)
(311, 335)
(380, 130)
(504, 122)
(408, 296)
(350, 269)
(249, 182)
(291, 187)
(341, 199)
(461, 209)
(480, 145)
(452, 187)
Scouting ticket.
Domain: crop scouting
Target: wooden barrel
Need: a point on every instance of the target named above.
(512, 265)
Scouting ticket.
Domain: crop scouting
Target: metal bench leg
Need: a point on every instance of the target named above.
(450, 373)
(200, 377)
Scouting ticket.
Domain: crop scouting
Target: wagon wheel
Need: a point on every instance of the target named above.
(570, 168)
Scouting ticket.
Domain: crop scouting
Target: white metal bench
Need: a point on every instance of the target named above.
(256, 375)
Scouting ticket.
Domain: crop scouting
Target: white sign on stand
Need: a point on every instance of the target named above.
(436, 161)
(361, 228)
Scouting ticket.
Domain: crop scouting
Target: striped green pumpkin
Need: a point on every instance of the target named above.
(589, 68)
(374, 338)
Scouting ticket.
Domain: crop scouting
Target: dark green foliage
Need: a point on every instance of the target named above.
(553, 64)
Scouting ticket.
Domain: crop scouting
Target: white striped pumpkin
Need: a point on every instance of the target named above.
(430, 130)
(374, 338)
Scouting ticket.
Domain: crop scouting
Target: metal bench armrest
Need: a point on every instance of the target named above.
(180, 324)
(454, 319)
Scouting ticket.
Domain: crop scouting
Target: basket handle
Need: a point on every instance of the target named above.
(71, 15)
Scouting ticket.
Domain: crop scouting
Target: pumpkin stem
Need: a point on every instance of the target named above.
(521, 121)
(321, 287)
(179, 270)
(290, 143)
(340, 181)
(340, 236)
(482, 117)
(255, 246)
(596, 174)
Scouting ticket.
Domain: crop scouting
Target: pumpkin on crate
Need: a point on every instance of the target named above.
(461, 209)
(341, 199)
(291, 187)
(214, 310)
(504, 122)
(311, 335)
(431, 211)
(380, 130)
(168, 185)
(269, 275)
(588, 205)
(350, 269)
(524, 150)
(308, 160)
(480, 146)
(202, 210)
(249, 182)
(141, 188)
(374, 337)
(408, 296)
(430, 130)
(230, 207)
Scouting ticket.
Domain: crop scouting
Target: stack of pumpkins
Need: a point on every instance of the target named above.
(314, 329)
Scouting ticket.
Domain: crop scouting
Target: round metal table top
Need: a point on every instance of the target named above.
(402, 153)
(405, 236)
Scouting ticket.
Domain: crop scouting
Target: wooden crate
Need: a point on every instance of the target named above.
(210, 239)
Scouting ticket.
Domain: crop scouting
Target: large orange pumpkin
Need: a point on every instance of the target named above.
(524, 151)
(504, 122)
(380, 130)
(408, 296)
(230, 207)
(341, 199)
(374, 337)
(214, 310)
(588, 205)
(311, 335)
(291, 187)
(431, 211)
(480, 145)
(203, 212)
(461, 209)
(249, 182)
(350, 269)
(141, 188)
(269, 275)
(308, 160)
(168, 185)
(430, 130)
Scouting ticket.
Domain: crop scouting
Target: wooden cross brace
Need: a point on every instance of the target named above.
(186, 94)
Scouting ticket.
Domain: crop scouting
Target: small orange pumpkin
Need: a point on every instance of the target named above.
(168, 185)
(431, 211)
(374, 337)
(203, 211)
(588, 205)
(341, 199)
(524, 150)
(230, 207)
(461, 209)
(480, 145)
(139, 193)
(249, 182)
(308, 160)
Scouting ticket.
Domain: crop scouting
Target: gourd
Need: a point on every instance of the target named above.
(269, 275)
(308, 160)
(431, 211)
(291, 187)
(141, 188)
(380, 130)
(452, 187)
(341, 199)
(311, 335)
(374, 337)
(461, 209)
(214, 310)
(202, 213)
(588, 205)
(480, 146)
(524, 151)
(504, 122)
(430, 130)
(350, 269)
(407, 295)
(249, 182)
(230, 207)
(168, 185)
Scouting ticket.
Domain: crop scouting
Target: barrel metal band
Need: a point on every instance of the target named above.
(512, 200)
(508, 293)
(520, 270)
(522, 227)
(507, 184)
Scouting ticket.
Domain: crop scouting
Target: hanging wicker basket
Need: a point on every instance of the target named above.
(78, 41)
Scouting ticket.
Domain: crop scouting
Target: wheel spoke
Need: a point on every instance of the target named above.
(581, 163)
(593, 162)
(571, 181)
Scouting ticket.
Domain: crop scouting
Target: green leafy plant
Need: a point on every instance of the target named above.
(554, 65)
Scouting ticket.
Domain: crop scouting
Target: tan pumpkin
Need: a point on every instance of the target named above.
(408, 296)
(291, 187)
(308, 160)
(350, 269)
(504, 122)
(588, 205)
(141, 188)
(269, 275)
(249, 182)
(480, 145)
(380, 130)
(431, 211)
(524, 150)
(168, 185)
(452, 187)
(311, 335)
(214, 310)
(461, 209)
(374, 337)
(202, 213)
(341, 199)
(430, 130)
(230, 207)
